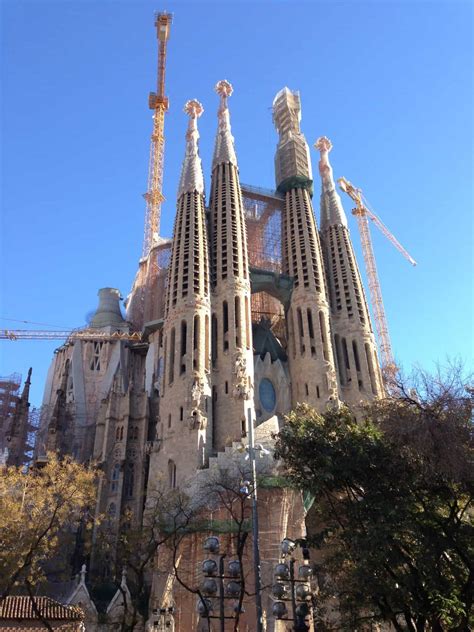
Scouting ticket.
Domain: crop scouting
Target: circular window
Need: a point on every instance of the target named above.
(267, 395)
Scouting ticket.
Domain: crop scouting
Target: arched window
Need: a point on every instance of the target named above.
(171, 474)
(184, 336)
(129, 480)
(115, 478)
(299, 319)
(206, 338)
(196, 350)
(225, 324)
(311, 331)
(355, 351)
(214, 339)
(94, 364)
(373, 382)
(172, 351)
(340, 361)
(267, 395)
(324, 340)
(237, 320)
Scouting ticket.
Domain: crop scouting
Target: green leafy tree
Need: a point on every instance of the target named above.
(393, 505)
(39, 511)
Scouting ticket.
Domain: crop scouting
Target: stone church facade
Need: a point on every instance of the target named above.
(176, 404)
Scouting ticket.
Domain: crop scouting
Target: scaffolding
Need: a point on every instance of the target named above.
(263, 211)
(146, 301)
(9, 393)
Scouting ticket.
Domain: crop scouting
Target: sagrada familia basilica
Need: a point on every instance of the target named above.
(253, 306)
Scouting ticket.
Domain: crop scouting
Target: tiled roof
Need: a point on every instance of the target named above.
(26, 626)
(19, 607)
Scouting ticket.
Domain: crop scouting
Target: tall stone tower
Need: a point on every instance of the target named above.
(354, 343)
(310, 354)
(232, 355)
(185, 406)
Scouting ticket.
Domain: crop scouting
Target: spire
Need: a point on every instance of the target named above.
(332, 211)
(292, 160)
(26, 389)
(191, 174)
(287, 112)
(224, 150)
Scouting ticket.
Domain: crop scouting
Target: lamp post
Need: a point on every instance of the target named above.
(255, 531)
(214, 586)
(289, 589)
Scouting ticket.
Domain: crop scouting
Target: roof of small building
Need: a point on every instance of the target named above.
(21, 607)
(24, 624)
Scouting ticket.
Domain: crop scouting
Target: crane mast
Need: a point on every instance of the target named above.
(159, 103)
(362, 213)
(141, 300)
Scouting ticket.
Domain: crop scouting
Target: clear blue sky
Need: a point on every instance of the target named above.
(390, 83)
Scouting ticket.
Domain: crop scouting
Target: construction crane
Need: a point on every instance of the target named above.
(363, 213)
(141, 298)
(70, 335)
(159, 103)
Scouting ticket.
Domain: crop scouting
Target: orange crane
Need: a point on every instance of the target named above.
(79, 334)
(363, 213)
(159, 103)
(140, 299)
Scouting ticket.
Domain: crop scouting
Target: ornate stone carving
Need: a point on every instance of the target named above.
(197, 390)
(197, 421)
(243, 386)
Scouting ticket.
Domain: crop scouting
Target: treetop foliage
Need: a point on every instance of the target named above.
(393, 504)
(39, 510)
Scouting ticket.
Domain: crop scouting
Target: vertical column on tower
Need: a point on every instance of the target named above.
(311, 359)
(185, 429)
(354, 343)
(232, 349)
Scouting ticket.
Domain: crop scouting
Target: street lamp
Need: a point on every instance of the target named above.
(214, 585)
(252, 449)
(289, 589)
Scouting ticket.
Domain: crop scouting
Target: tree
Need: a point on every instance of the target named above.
(168, 514)
(39, 510)
(393, 504)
